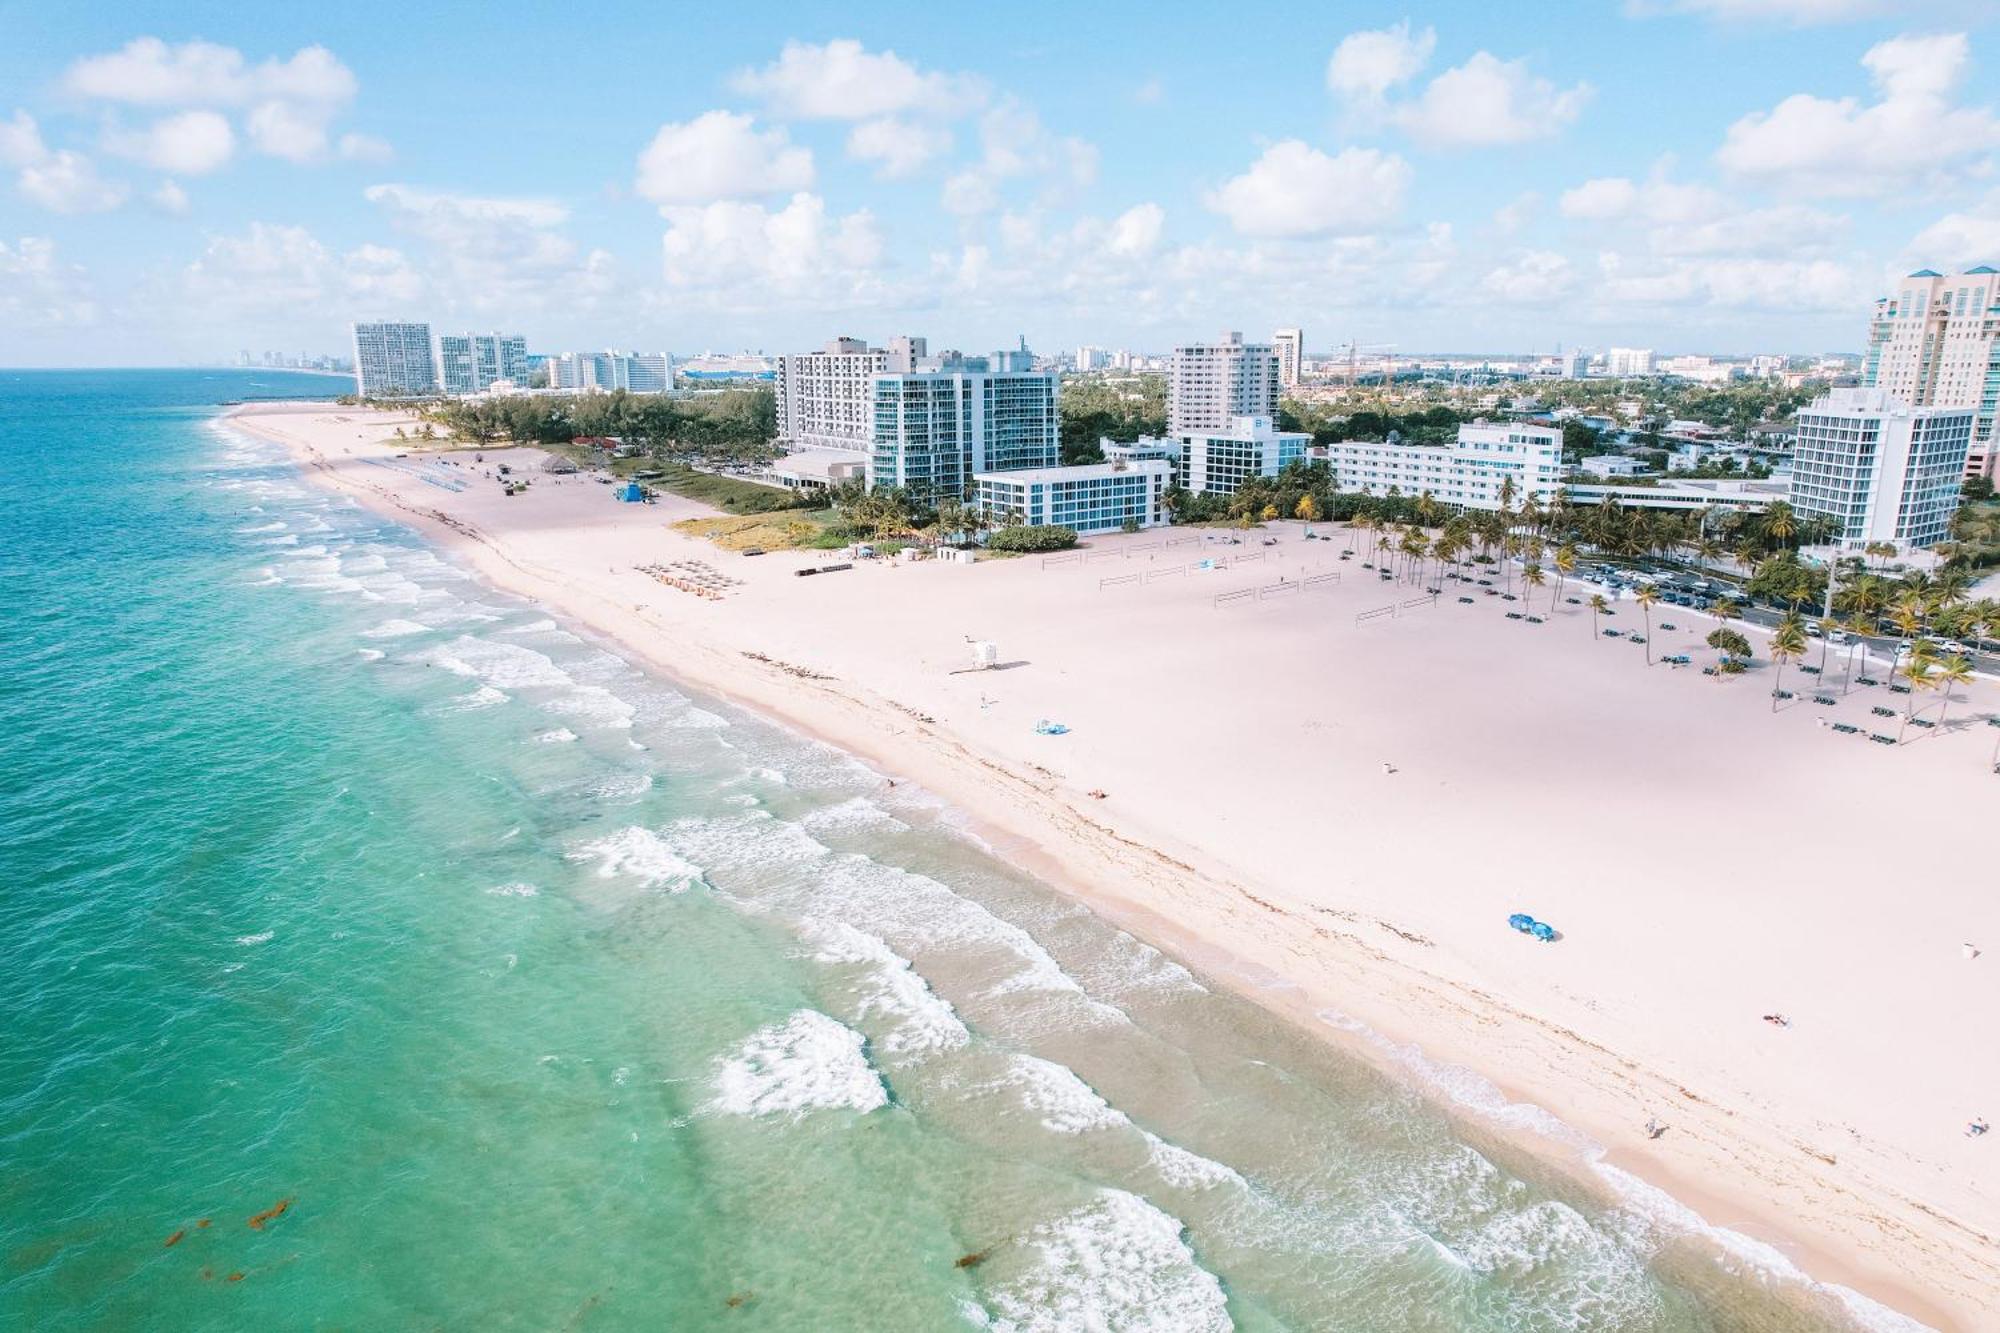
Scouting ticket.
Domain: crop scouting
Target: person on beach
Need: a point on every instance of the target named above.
(1777, 1020)
(1976, 1128)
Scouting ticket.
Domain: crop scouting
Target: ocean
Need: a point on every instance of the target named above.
(380, 951)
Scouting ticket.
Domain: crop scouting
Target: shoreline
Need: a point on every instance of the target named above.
(1204, 911)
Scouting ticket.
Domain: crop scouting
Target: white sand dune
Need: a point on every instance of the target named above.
(1707, 861)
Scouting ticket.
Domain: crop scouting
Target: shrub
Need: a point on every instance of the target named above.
(1051, 537)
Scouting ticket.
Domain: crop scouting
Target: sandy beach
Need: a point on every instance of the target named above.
(1339, 815)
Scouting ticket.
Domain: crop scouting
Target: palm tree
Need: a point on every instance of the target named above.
(1908, 618)
(1779, 524)
(1954, 670)
(1565, 566)
(1646, 597)
(1826, 626)
(1918, 676)
(1533, 577)
(1598, 606)
(1788, 642)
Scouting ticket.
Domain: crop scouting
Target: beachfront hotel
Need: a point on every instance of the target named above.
(1882, 470)
(607, 372)
(394, 360)
(937, 428)
(1210, 385)
(471, 362)
(1936, 343)
(1468, 472)
(1095, 497)
(826, 399)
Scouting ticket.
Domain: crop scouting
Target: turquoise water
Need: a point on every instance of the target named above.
(546, 995)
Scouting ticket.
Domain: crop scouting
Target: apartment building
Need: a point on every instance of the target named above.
(1209, 385)
(826, 398)
(394, 360)
(1935, 342)
(1290, 345)
(1096, 497)
(470, 362)
(609, 371)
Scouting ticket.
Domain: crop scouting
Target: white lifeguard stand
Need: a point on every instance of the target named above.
(985, 654)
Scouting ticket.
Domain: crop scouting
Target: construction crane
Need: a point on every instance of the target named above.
(1354, 351)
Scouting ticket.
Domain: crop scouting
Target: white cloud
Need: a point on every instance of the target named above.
(899, 147)
(1137, 230)
(1686, 285)
(1606, 197)
(497, 255)
(1296, 190)
(1538, 275)
(842, 80)
(1681, 219)
(1797, 12)
(149, 72)
(1366, 65)
(1960, 239)
(38, 290)
(1488, 101)
(287, 105)
(281, 129)
(192, 143)
(266, 270)
(62, 182)
(1518, 212)
(1913, 134)
(21, 141)
(720, 155)
(1015, 146)
(169, 197)
(67, 182)
(364, 148)
(1151, 92)
(749, 255)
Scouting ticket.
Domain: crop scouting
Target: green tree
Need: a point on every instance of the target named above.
(1788, 644)
(1647, 596)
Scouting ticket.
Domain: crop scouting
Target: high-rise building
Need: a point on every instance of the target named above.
(607, 372)
(471, 362)
(1881, 469)
(1936, 343)
(826, 399)
(394, 360)
(1209, 385)
(1628, 362)
(1573, 364)
(1090, 358)
(1291, 348)
(935, 428)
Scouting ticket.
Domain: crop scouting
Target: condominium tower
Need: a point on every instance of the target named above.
(1882, 470)
(1209, 385)
(471, 362)
(826, 399)
(1625, 362)
(1935, 342)
(935, 428)
(608, 372)
(394, 360)
(1291, 348)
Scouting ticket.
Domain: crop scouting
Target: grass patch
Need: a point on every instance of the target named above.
(731, 493)
(790, 530)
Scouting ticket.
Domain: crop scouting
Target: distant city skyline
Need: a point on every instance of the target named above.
(1722, 176)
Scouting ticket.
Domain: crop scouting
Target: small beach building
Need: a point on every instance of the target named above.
(1096, 497)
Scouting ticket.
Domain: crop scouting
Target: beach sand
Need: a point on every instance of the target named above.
(1706, 860)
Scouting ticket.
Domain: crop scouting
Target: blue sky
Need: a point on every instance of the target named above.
(180, 181)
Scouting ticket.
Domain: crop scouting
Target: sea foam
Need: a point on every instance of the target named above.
(1115, 1263)
(807, 1063)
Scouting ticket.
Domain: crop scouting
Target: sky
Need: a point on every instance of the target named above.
(180, 181)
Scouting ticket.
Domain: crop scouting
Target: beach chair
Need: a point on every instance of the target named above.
(1825, 700)
(1467, 601)
(1866, 680)
(1522, 922)
(1781, 694)
(1048, 728)
(1513, 615)
(1534, 620)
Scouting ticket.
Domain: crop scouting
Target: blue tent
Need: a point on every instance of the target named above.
(630, 492)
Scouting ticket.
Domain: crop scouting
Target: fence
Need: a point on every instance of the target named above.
(1116, 581)
(1394, 609)
(1282, 588)
(1072, 558)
